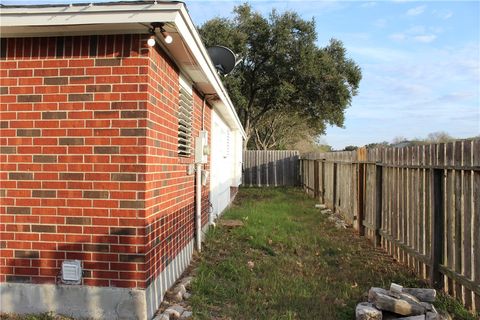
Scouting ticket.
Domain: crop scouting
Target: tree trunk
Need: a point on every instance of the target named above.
(248, 134)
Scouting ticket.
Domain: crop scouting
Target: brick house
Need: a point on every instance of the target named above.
(98, 135)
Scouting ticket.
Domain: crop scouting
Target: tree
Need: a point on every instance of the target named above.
(350, 148)
(281, 130)
(377, 145)
(398, 139)
(283, 74)
(439, 137)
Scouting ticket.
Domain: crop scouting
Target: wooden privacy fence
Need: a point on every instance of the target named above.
(274, 168)
(420, 203)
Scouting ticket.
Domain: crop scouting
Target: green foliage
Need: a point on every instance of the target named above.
(310, 145)
(377, 145)
(283, 72)
(40, 316)
(434, 137)
(454, 307)
(350, 148)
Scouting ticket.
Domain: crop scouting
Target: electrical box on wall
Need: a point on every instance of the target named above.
(204, 177)
(201, 147)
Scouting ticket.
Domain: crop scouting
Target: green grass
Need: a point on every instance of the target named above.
(41, 316)
(304, 268)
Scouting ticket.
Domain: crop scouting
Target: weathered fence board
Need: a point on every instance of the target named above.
(420, 203)
(264, 168)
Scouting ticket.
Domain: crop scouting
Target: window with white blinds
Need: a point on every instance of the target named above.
(185, 119)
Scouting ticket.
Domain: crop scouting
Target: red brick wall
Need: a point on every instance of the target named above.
(170, 206)
(88, 162)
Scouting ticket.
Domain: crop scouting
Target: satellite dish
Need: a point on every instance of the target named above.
(223, 59)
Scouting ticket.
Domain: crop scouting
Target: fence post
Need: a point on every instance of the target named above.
(259, 172)
(305, 174)
(436, 228)
(250, 168)
(266, 165)
(361, 198)
(316, 179)
(334, 187)
(378, 203)
(323, 180)
(300, 166)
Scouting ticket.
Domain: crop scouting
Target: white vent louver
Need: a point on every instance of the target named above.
(227, 149)
(71, 271)
(185, 115)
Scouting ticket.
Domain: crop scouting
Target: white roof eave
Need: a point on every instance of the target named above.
(84, 15)
(224, 105)
(75, 20)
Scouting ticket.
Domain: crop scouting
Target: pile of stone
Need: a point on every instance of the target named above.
(399, 303)
(336, 218)
(175, 304)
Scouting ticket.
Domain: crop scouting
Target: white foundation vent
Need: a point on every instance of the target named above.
(72, 271)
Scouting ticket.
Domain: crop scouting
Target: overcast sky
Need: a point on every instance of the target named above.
(420, 62)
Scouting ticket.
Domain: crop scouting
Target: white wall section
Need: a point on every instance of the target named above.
(225, 158)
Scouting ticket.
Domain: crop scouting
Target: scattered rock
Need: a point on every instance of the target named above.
(428, 306)
(320, 206)
(186, 282)
(250, 265)
(326, 211)
(425, 295)
(162, 316)
(174, 305)
(432, 316)
(367, 311)
(389, 315)
(174, 311)
(338, 220)
(412, 300)
(177, 292)
(399, 303)
(396, 288)
(419, 317)
(186, 315)
(382, 299)
(340, 224)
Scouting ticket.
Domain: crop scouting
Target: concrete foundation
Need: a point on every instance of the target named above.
(155, 292)
(94, 302)
(73, 300)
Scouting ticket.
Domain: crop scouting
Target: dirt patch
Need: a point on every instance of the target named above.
(230, 223)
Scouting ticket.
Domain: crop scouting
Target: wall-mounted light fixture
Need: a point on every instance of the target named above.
(166, 37)
(151, 41)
